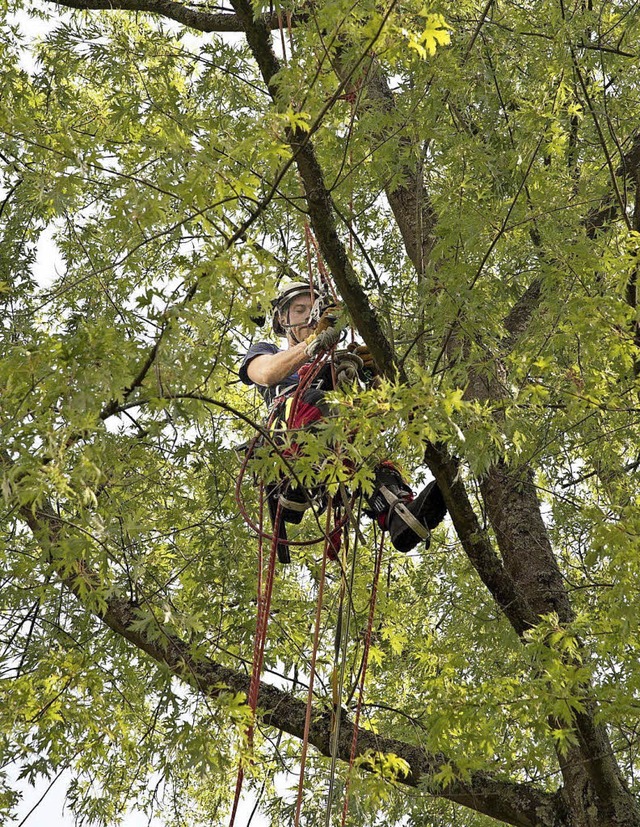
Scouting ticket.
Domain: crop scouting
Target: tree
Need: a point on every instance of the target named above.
(469, 175)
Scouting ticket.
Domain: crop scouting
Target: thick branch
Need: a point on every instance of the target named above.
(514, 510)
(410, 204)
(203, 21)
(513, 803)
(519, 804)
(519, 317)
(476, 543)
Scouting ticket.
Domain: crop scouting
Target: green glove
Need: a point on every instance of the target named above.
(321, 342)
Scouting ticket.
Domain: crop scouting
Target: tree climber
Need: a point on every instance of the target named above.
(310, 331)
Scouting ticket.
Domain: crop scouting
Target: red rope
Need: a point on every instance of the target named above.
(264, 596)
(316, 638)
(365, 661)
(236, 797)
(311, 241)
(260, 539)
(307, 244)
(264, 607)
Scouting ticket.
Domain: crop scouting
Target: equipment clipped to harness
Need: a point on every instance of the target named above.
(322, 302)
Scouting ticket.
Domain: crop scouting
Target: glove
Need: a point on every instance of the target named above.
(346, 366)
(328, 318)
(363, 352)
(321, 342)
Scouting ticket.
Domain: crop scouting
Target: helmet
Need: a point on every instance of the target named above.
(286, 295)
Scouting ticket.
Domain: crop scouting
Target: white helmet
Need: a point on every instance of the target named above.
(286, 295)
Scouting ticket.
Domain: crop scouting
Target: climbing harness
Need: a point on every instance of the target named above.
(285, 408)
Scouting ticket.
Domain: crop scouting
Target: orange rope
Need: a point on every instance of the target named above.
(365, 660)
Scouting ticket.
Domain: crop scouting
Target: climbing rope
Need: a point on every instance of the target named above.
(265, 590)
(322, 270)
(340, 657)
(314, 652)
(363, 675)
(264, 607)
(264, 594)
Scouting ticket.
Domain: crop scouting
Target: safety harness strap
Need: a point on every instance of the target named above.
(293, 505)
(397, 506)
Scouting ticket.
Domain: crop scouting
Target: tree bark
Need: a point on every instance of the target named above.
(410, 203)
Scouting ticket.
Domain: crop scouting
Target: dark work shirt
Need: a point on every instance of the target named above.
(269, 393)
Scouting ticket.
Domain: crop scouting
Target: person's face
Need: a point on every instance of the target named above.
(296, 315)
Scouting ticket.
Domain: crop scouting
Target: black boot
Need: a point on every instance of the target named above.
(408, 520)
(428, 510)
(294, 501)
(279, 526)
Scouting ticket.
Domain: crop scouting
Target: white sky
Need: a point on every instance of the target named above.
(51, 812)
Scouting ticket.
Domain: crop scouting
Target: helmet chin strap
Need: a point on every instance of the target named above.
(291, 327)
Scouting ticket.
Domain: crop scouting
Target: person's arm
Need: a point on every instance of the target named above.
(270, 369)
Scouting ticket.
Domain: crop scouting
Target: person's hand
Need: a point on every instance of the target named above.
(363, 352)
(328, 318)
(321, 342)
(346, 366)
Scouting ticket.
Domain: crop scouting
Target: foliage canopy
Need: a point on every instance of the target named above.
(470, 174)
